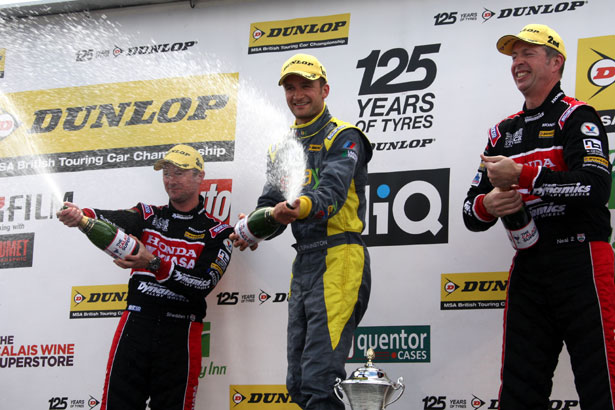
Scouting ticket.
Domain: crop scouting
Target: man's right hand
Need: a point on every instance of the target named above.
(502, 202)
(240, 243)
(70, 214)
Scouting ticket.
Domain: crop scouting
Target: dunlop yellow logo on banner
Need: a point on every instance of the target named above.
(308, 32)
(596, 72)
(98, 301)
(261, 397)
(482, 290)
(2, 60)
(119, 115)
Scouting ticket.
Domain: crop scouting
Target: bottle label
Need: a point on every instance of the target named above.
(525, 237)
(121, 246)
(242, 230)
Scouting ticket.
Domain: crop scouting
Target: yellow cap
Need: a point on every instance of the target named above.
(182, 156)
(533, 34)
(304, 65)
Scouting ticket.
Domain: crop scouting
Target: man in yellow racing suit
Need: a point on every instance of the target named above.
(331, 279)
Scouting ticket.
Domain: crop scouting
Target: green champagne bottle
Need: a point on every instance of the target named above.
(257, 226)
(107, 237)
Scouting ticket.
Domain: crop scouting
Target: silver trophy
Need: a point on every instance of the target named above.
(368, 388)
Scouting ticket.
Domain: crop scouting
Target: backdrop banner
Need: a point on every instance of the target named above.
(89, 101)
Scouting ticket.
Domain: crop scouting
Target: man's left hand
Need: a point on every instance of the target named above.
(138, 261)
(502, 171)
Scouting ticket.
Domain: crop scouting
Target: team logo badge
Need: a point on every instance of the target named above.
(590, 129)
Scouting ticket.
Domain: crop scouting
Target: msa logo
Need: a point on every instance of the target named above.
(217, 194)
(407, 208)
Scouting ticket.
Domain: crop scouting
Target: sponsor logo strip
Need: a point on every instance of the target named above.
(301, 33)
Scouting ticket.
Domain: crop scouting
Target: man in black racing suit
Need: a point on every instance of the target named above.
(156, 351)
(331, 280)
(552, 157)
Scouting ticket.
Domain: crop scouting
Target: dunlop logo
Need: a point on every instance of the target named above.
(98, 301)
(595, 77)
(261, 397)
(121, 118)
(302, 33)
(483, 290)
(126, 113)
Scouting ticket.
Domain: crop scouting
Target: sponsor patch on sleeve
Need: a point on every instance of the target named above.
(590, 129)
(592, 145)
(147, 211)
(223, 259)
(228, 245)
(217, 229)
(595, 160)
(477, 179)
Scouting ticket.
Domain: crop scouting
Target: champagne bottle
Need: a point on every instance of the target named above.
(107, 237)
(257, 226)
(521, 229)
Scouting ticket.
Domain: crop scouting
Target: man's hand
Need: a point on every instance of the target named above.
(284, 214)
(138, 261)
(71, 215)
(502, 171)
(500, 202)
(240, 243)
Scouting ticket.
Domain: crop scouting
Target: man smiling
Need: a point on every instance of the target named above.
(331, 280)
(551, 157)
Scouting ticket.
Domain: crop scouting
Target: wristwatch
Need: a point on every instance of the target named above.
(154, 264)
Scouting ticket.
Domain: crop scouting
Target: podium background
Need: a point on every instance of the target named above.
(435, 312)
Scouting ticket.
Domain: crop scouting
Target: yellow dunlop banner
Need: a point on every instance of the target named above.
(2, 60)
(299, 34)
(98, 301)
(596, 76)
(261, 397)
(482, 290)
(117, 125)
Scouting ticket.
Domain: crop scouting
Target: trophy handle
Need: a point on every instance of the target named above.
(337, 389)
(397, 386)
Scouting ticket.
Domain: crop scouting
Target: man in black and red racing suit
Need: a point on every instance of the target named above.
(562, 288)
(156, 351)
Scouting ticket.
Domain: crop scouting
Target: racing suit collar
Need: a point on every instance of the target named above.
(554, 96)
(200, 208)
(308, 129)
